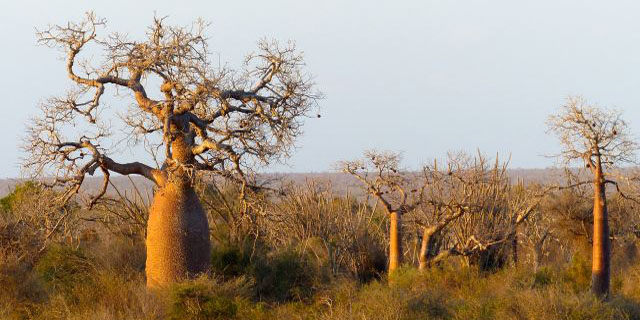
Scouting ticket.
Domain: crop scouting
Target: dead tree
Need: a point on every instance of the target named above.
(539, 231)
(481, 209)
(447, 199)
(397, 190)
(601, 139)
(203, 118)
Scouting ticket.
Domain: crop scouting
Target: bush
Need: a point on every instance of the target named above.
(62, 268)
(279, 276)
(208, 298)
(578, 274)
(199, 301)
(284, 276)
(542, 278)
(229, 261)
(21, 192)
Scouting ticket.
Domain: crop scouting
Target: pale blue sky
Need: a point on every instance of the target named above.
(422, 77)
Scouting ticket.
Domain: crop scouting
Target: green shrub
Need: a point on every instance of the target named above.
(278, 276)
(62, 268)
(284, 276)
(229, 261)
(199, 300)
(21, 191)
(542, 278)
(578, 274)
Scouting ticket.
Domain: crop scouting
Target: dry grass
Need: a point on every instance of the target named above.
(101, 276)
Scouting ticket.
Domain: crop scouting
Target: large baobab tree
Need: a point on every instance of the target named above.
(601, 139)
(192, 115)
(398, 191)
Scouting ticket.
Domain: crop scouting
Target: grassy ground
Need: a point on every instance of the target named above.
(105, 280)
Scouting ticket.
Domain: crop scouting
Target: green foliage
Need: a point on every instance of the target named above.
(542, 278)
(18, 194)
(578, 274)
(284, 276)
(279, 276)
(229, 261)
(199, 300)
(62, 268)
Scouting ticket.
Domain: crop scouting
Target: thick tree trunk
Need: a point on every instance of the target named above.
(395, 241)
(600, 271)
(178, 244)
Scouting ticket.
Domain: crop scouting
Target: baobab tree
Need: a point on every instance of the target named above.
(397, 190)
(601, 139)
(197, 118)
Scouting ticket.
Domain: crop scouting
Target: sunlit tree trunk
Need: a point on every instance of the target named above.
(395, 241)
(178, 243)
(600, 271)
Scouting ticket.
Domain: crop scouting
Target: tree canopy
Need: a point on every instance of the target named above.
(203, 118)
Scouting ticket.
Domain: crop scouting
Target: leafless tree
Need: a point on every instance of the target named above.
(397, 190)
(601, 140)
(539, 231)
(204, 119)
(476, 208)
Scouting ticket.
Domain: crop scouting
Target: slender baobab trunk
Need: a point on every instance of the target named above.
(178, 244)
(600, 271)
(395, 241)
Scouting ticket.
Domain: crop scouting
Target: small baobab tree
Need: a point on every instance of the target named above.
(602, 140)
(193, 116)
(398, 191)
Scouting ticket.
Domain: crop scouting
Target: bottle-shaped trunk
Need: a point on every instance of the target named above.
(178, 244)
(600, 271)
(395, 241)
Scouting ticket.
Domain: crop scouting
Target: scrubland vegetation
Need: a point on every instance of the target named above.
(455, 239)
(307, 253)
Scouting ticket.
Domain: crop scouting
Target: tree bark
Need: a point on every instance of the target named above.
(395, 241)
(178, 244)
(427, 239)
(600, 271)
